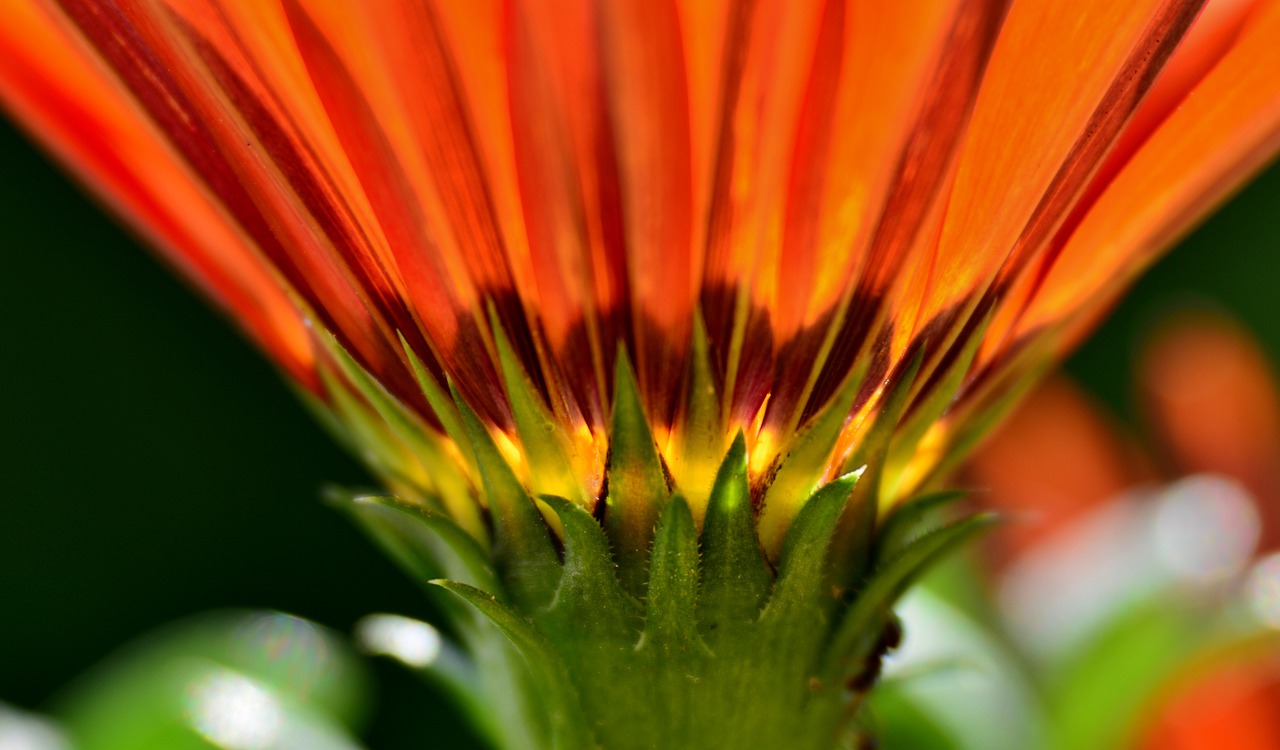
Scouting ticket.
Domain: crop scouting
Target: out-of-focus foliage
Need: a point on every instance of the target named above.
(231, 681)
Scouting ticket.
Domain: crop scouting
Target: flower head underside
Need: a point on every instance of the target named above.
(848, 230)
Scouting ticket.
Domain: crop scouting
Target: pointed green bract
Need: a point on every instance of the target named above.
(804, 464)
(671, 616)
(637, 486)
(426, 543)
(523, 550)
(860, 627)
(925, 414)
(735, 576)
(802, 566)
(874, 443)
(589, 591)
(408, 435)
(857, 527)
(701, 435)
(542, 439)
(376, 446)
(618, 625)
(568, 727)
(441, 403)
(911, 520)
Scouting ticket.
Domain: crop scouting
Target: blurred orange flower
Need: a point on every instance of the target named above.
(1212, 400)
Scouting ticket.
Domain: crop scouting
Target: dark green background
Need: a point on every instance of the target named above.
(154, 466)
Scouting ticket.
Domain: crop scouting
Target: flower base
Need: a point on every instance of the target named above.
(702, 643)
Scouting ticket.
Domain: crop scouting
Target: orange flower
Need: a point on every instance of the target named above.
(859, 198)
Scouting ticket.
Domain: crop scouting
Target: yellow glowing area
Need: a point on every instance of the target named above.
(931, 449)
(510, 450)
(762, 452)
(588, 451)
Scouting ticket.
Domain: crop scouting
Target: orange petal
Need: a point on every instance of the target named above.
(1058, 92)
(1225, 129)
(66, 99)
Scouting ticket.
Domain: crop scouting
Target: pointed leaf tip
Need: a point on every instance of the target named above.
(637, 484)
(671, 617)
(543, 438)
(735, 575)
(589, 587)
(859, 627)
(523, 550)
(802, 566)
(805, 463)
(910, 521)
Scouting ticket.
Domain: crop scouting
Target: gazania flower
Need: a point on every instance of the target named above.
(672, 264)
(1214, 408)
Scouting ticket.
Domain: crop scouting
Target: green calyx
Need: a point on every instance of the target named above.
(585, 637)
(724, 613)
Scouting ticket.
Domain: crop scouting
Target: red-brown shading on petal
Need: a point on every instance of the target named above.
(645, 81)
(1055, 99)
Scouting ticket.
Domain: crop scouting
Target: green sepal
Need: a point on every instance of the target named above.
(700, 447)
(804, 463)
(425, 543)
(375, 445)
(735, 576)
(671, 617)
(935, 403)
(875, 442)
(802, 566)
(413, 437)
(856, 530)
(523, 550)
(589, 592)
(397, 418)
(441, 403)
(911, 520)
(637, 485)
(562, 712)
(860, 628)
(542, 438)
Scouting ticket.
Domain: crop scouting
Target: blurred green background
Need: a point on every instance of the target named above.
(155, 466)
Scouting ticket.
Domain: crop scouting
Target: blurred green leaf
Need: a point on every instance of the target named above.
(256, 681)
